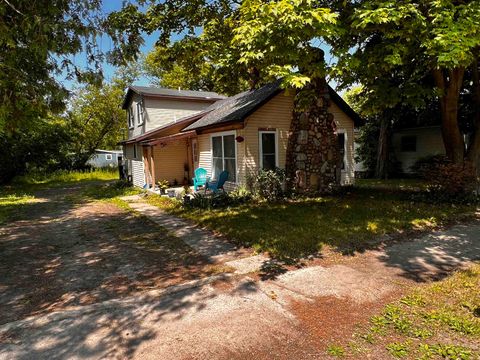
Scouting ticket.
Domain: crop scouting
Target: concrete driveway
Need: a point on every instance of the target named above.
(227, 316)
(293, 316)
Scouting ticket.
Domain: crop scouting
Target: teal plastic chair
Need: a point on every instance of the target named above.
(217, 185)
(200, 178)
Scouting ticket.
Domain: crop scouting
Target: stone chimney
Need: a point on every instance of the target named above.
(313, 155)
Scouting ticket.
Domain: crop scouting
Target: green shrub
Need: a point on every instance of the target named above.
(269, 184)
(237, 197)
(424, 166)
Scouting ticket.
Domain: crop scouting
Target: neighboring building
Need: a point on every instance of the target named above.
(171, 133)
(411, 144)
(105, 158)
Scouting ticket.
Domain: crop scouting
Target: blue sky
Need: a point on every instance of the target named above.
(106, 44)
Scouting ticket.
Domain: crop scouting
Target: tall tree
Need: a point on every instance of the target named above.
(37, 42)
(435, 39)
(37, 39)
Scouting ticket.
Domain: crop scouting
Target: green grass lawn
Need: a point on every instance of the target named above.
(347, 222)
(436, 321)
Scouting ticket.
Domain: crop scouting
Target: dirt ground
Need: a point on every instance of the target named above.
(66, 253)
(84, 277)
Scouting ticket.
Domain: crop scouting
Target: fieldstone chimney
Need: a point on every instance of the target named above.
(313, 153)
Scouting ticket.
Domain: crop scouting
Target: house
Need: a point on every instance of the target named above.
(105, 158)
(173, 132)
(413, 143)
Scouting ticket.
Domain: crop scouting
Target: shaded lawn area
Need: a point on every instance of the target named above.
(437, 321)
(77, 243)
(348, 222)
(26, 191)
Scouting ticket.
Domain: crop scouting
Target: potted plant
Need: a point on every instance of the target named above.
(186, 194)
(163, 185)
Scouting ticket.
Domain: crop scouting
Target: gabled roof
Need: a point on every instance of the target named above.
(238, 107)
(158, 92)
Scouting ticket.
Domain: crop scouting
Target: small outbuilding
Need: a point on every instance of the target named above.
(105, 158)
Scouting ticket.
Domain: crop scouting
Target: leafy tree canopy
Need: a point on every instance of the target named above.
(37, 39)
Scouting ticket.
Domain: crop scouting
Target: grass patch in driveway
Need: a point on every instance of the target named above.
(348, 222)
(436, 321)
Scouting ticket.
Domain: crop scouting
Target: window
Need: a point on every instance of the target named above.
(134, 151)
(342, 147)
(408, 143)
(130, 117)
(268, 150)
(108, 157)
(140, 113)
(224, 155)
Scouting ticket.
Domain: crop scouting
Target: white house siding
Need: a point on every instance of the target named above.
(429, 142)
(275, 114)
(138, 174)
(160, 112)
(345, 124)
(136, 129)
(135, 164)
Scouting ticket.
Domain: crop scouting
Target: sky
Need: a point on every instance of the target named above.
(106, 44)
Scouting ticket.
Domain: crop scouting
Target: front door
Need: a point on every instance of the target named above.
(195, 159)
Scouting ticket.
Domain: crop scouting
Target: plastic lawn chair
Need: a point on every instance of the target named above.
(200, 178)
(214, 186)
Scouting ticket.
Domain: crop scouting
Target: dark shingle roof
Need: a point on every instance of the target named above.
(170, 93)
(236, 108)
(148, 90)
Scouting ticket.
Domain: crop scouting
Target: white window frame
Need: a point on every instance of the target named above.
(260, 147)
(108, 157)
(224, 133)
(130, 117)
(140, 113)
(345, 147)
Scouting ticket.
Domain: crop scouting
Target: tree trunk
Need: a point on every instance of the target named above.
(473, 153)
(450, 85)
(381, 169)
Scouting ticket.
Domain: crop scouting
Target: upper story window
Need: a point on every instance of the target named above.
(408, 143)
(140, 113)
(130, 117)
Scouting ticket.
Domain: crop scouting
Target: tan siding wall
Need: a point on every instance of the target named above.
(429, 142)
(345, 123)
(170, 160)
(277, 114)
(160, 112)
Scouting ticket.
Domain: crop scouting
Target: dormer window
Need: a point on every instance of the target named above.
(140, 113)
(130, 117)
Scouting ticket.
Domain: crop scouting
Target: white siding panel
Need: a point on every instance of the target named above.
(138, 174)
(346, 125)
(429, 142)
(160, 112)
